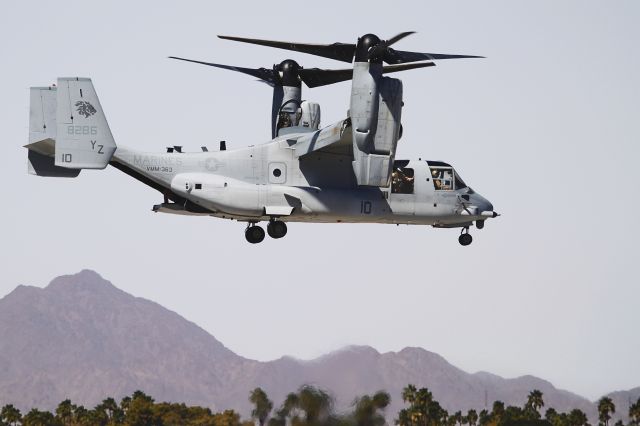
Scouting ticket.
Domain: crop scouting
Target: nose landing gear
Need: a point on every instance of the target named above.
(465, 237)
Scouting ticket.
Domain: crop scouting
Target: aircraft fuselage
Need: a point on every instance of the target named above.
(268, 181)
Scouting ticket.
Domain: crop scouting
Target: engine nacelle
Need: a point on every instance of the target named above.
(376, 109)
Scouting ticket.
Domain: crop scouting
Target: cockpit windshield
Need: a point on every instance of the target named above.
(458, 181)
(445, 177)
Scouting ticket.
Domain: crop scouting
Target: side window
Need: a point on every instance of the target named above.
(277, 172)
(402, 180)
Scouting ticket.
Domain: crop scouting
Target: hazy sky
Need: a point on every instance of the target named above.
(547, 128)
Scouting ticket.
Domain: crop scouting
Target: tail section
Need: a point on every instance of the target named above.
(84, 140)
(68, 130)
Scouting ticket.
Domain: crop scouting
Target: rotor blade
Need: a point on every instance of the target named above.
(381, 48)
(398, 37)
(316, 77)
(264, 74)
(338, 51)
(400, 57)
(403, 67)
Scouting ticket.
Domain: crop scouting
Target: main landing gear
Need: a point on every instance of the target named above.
(465, 237)
(277, 229)
(255, 234)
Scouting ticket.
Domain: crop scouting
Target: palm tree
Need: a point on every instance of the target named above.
(484, 417)
(578, 418)
(280, 419)
(125, 403)
(140, 410)
(36, 417)
(551, 415)
(65, 411)
(497, 411)
(368, 409)
(634, 413)
(409, 394)
(10, 415)
(472, 417)
(315, 403)
(534, 403)
(310, 406)
(605, 408)
(423, 409)
(262, 405)
(113, 413)
(458, 416)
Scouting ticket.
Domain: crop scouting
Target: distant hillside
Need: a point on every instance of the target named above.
(623, 400)
(84, 339)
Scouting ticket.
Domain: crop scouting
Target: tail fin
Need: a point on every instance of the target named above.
(42, 114)
(84, 140)
(42, 134)
(67, 129)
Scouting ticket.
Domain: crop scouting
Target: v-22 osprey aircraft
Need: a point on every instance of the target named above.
(346, 172)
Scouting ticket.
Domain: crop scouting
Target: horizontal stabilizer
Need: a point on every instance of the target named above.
(43, 165)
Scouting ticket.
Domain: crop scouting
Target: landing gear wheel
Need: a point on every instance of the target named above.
(254, 234)
(277, 229)
(465, 239)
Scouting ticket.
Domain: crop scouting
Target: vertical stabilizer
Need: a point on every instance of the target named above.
(42, 114)
(83, 139)
(42, 134)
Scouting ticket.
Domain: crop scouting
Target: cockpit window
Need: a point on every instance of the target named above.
(445, 178)
(458, 181)
(402, 179)
(442, 178)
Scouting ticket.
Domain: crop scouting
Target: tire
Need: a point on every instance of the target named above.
(277, 229)
(254, 234)
(465, 239)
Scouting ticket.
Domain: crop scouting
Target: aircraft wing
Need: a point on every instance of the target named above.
(336, 138)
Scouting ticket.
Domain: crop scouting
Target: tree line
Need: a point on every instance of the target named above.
(310, 406)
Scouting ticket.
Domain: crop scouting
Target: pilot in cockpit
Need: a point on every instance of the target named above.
(442, 179)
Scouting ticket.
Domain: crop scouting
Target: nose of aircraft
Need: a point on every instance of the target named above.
(482, 203)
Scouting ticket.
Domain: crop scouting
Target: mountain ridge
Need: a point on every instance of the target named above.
(81, 337)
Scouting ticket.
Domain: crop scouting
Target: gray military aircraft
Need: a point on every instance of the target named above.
(346, 172)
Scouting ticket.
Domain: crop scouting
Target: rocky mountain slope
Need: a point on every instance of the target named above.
(84, 339)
